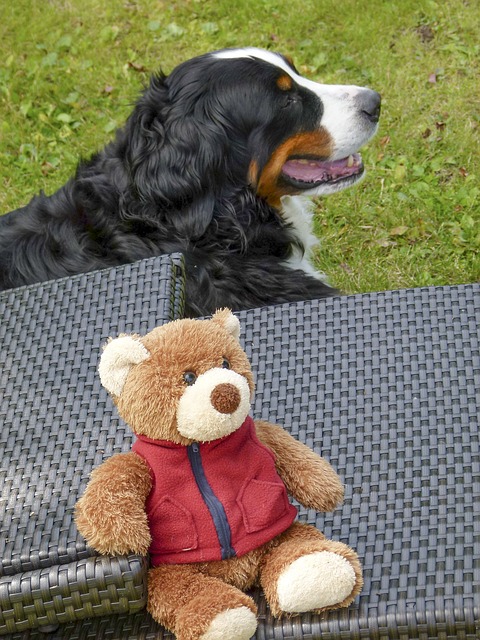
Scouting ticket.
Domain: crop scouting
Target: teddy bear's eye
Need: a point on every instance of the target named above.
(189, 378)
(225, 364)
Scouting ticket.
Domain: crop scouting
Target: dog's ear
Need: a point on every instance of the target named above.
(145, 135)
(174, 150)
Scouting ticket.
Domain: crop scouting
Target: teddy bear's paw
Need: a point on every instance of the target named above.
(234, 624)
(315, 581)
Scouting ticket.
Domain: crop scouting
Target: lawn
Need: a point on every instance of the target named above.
(70, 71)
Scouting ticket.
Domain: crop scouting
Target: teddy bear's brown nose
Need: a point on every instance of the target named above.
(225, 398)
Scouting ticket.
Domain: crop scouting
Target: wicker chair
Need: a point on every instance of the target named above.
(56, 424)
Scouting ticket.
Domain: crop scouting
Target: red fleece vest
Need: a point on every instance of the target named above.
(241, 474)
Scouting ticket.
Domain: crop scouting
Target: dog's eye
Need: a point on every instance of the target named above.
(225, 364)
(189, 378)
(290, 100)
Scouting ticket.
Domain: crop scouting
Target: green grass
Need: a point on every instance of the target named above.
(71, 70)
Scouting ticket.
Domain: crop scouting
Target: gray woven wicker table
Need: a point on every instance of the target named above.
(386, 386)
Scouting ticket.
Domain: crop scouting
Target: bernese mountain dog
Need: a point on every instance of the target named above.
(215, 162)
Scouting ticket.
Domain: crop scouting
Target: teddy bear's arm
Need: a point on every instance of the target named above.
(111, 513)
(309, 478)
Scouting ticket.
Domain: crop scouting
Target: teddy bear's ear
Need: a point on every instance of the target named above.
(118, 356)
(228, 321)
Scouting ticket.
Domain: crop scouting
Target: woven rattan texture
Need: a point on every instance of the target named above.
(388, 389)
(56, 424)
(386, 386)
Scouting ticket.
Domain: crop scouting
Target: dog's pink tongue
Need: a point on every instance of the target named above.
(318, 170)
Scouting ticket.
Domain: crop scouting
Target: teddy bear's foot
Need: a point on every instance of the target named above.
(234, 624)
(315, 581)
(219, 615)
(305, 571)
(199, 607)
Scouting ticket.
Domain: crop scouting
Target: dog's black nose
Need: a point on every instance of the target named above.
(369, 102)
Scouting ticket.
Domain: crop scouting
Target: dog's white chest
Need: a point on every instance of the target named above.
(298, 212)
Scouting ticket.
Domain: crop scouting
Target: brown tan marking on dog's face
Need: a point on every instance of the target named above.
(284, 82)
(314, 144)
(253, 173)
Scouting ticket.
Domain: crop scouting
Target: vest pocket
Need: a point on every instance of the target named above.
(262, 503)
(173, 528)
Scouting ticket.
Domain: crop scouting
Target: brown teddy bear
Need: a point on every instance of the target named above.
(204, 490)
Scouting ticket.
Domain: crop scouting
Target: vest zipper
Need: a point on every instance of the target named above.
(214, 505)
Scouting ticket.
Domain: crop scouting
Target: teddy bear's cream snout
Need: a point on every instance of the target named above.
(214, 406)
